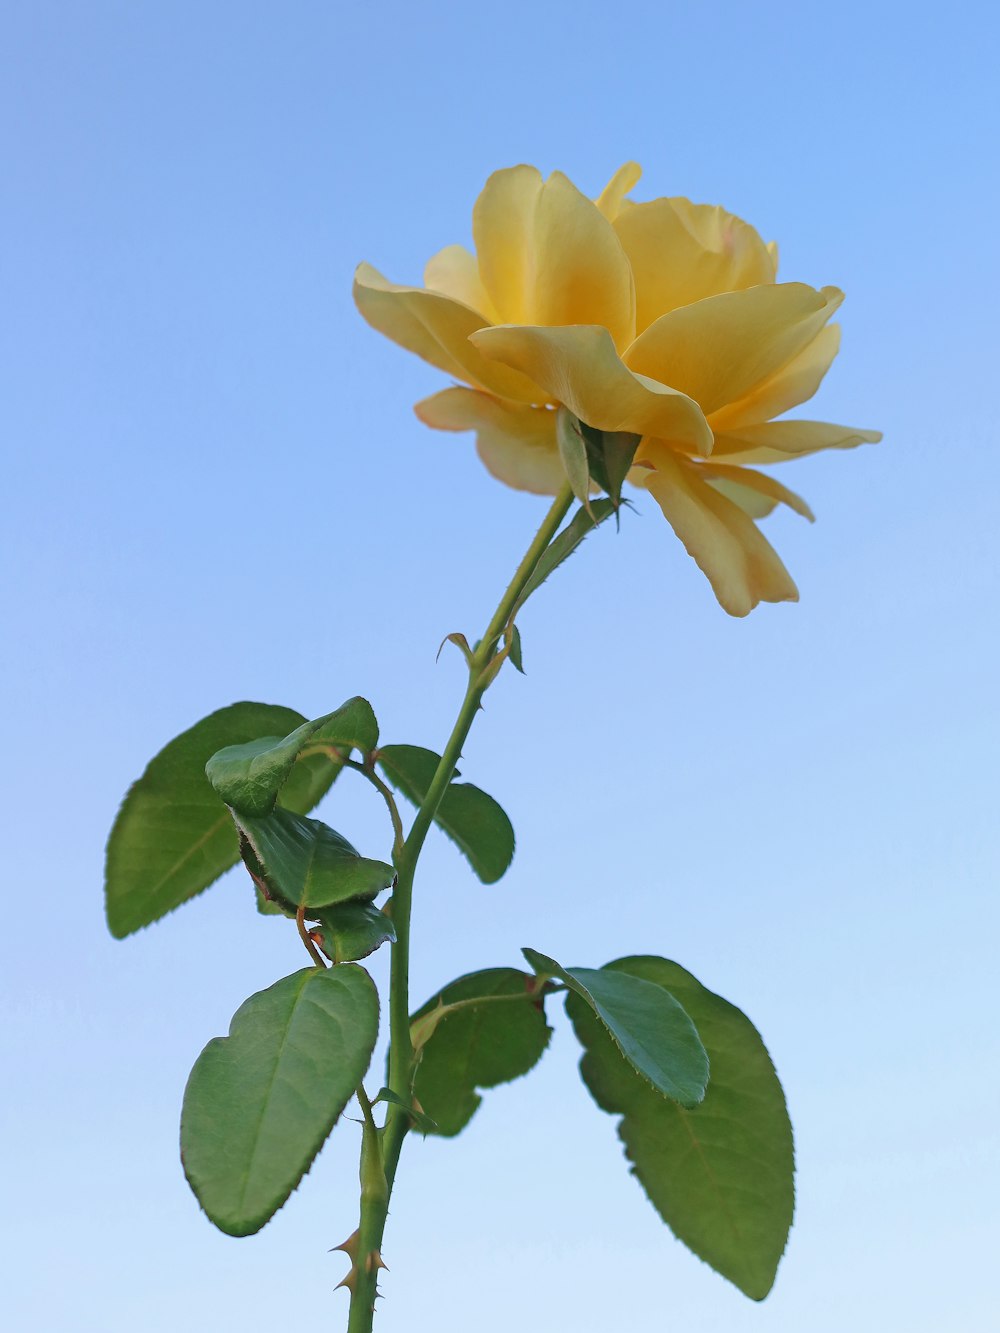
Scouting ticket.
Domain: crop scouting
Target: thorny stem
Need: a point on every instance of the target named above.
(367, 771)
(482, 670)
(363, 1276)
(314, 953)
(386, 793)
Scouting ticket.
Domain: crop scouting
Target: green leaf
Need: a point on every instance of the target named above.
(260, 1103)
(248, 777)
(350, 931)
(515, 649)
(173, 836)
(573, 452)
(299, 862)
(353, 724)
(720, 1174)
(474, 821)
(564, 545)
(422, 1123)
(650, 1028)
(267, 906)
(609, 456)
(477, 1046)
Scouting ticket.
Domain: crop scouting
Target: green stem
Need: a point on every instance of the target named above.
(367, 771)
(401, 1062)
(367, 1260)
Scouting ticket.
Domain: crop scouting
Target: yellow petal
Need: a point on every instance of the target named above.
(742, 567)
(682, 252)
(787, 388)
(626, 178)
(517, 444)
(720, 349)
(548, 256)
(777, 441)
(454, 272)
(751, 502)
(580, 368)
(436, 328)
(764, 492)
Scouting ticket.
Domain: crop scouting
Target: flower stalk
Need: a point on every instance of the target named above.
(376, 1193)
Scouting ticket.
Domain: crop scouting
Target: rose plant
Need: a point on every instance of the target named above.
(595, 343)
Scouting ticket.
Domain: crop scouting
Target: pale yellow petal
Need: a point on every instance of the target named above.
(767, 490)
(741, 565)
(454, 272)
(547, 255)
(625, 179)
(772, 250)
(778, 441)
(721, 349)
(682, 252)
(436, 328)
(517, 444)
(580, 368)
(751, 502)
(793, 384)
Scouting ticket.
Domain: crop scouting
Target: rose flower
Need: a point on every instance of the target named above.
(663, 320)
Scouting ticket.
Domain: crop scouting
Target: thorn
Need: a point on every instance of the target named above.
(374, 1262)
(349, 1246)
(350, 1281)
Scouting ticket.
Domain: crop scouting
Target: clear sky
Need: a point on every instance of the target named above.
(215, 489)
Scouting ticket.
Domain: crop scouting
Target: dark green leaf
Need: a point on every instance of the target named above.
(353, 724)
(267, 907)
(350, 931)
(248, 777)
(478, 1046)
(260, 1103)
(299, 862)
(650, 1028)
(609, 456)
(565, 544)
(473, 820)
(515, 649)
(410, 769)
(720, 1174)
(173, 836)
(573, 452)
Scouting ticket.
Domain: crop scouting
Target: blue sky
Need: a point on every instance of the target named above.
(216, 489)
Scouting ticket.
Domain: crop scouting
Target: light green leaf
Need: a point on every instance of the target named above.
(474, 821)
(248, 777)
(173, 836)
(349, 931)
(573, 452)
(650, 1028)
(477, 1046)
(422, 1123)
(299, 862)
(260, 1103)
(719, 1174)
(564, 545)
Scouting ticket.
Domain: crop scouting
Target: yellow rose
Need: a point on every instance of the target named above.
(661, 319)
